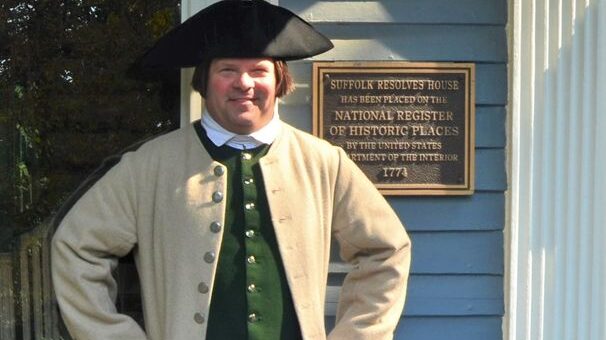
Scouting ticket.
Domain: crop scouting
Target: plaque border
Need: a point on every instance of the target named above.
(413, 189)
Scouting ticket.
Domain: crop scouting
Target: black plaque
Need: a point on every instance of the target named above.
(408, 126)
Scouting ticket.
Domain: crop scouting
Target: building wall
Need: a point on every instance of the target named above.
(456, 287)
(456, 290)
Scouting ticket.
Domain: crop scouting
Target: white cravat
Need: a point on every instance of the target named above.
(220, 136)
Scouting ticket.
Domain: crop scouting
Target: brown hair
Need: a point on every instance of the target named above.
(284, 81)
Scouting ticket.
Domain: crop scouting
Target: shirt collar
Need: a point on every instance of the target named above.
(220, 136)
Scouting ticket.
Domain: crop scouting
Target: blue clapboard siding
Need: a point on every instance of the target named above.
(399, 11)
(450, 328)
(445, 328)
(455, 252)
(490, 170)
(455, 295)
(377, 41)
(481, 211)
(450, 295)
(490, 127)
(456, 285)
(468, 252)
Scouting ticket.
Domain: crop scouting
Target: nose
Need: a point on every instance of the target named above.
(244, 81)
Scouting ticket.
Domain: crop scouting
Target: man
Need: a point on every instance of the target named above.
(231, 218)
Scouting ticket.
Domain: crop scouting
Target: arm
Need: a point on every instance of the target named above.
(374, 241)
(96, 231)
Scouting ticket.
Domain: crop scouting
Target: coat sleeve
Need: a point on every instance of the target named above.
(96, 231)
(373, 240)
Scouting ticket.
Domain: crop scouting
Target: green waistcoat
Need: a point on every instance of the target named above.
(250, 298)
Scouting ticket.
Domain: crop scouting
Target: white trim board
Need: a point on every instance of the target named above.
(557, 202)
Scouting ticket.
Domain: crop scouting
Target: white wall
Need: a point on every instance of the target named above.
(557, 279)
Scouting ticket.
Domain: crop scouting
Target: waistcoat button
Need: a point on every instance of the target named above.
(219, 171)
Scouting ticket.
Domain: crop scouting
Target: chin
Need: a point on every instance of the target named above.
(244, 125)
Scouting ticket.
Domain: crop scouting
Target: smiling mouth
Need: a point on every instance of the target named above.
(243, 100)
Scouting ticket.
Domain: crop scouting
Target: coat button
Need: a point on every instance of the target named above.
(219, 171)
(251, 259)
(248, 180)
(246, 156)
(217, 196)
(215, 227)
(252, 317)
(203, 288)
(209, 257)
(249, 206)
(199, 318)
(250, 233)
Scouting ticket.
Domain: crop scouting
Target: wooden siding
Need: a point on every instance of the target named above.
(401, 11)
(28, 308)
(456, 287)
(7, 297)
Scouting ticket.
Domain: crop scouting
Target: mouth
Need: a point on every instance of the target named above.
(242, 100)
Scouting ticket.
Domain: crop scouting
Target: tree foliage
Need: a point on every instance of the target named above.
(66, 101)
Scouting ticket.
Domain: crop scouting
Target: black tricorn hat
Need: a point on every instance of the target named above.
(236, 29)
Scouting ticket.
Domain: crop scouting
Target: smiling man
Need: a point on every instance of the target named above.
(231, 218)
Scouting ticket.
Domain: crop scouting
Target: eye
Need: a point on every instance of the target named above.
(259, 72)
(227, 69)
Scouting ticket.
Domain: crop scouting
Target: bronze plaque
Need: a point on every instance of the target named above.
(408, 126)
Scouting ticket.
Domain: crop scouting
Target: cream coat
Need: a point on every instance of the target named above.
(157, 200)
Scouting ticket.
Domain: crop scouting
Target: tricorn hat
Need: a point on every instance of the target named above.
(236, 29)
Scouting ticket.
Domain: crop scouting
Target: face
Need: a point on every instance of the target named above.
(241, 93)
